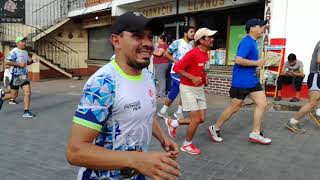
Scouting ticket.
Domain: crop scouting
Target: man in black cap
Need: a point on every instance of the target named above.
(117, 111)
(245, 82)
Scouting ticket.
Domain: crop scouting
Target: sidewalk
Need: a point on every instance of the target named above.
(290, 157)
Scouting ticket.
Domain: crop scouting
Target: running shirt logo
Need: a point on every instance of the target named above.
(135, 106)
(151, 93)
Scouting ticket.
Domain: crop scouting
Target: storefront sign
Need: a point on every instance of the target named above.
(199, 5)
(12, 11)
(98, 21)
(164, 9)
(95, 2)
(267, 16)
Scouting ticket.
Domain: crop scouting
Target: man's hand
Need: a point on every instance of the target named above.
(156, 165)
(22, 65)
(206, 81)
(174, 60)
(290, 73)
(261, 62)
(196, 80)
(170, 146)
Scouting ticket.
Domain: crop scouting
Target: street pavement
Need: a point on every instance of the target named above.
(35, 148)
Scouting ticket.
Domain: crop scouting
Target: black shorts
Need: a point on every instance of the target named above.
(17, 87)
(6, 82)
(242, 93)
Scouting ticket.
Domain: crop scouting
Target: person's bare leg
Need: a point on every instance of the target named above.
(184, 121)
(260, 100)
(12, 95)
(167, 102)
(203, 114)
(195, 121)
(27, 94)
(233, 107)
(314, 100)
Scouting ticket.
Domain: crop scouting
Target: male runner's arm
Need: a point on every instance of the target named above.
(81, 152)
(170, 50)
(169, 56)
(11, 60)
(30, 62)
(244, 51)
(166, 143)
(246, 62)
(11, 63)
(182, 64)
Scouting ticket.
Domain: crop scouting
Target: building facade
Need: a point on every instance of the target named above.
(87, 30)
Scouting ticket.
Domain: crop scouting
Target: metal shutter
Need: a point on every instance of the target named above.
(99, 44)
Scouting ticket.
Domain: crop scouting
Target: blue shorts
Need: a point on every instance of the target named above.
(175, 87)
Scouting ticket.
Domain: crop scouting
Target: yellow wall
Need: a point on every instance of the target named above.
(78, 42)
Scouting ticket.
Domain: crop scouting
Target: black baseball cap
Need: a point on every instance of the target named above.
(136, 22)
(255, 22)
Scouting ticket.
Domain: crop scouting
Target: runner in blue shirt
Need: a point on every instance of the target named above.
(245, 82)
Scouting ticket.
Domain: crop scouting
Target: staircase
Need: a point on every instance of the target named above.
(44, 19)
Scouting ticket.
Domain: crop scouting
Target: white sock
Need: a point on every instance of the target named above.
(214, 128)
(186, 143)
(1, 93)
(175, 123)
(258, 133)
(179, 109)
(164, 109)
(293, 121)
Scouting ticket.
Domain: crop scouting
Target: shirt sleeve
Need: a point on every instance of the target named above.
(184, 62)
(95, 103)
(162, 47)
(173, 47)
(12, 56)
(300, 66)
(243, 50)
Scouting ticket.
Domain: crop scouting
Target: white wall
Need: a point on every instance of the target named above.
(298, 22)
(278, 19)
(303, 29)
(117, 10)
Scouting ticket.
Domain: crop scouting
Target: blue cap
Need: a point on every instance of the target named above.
(255, 22)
